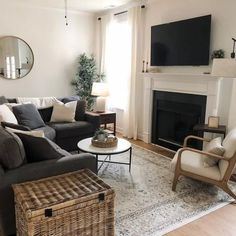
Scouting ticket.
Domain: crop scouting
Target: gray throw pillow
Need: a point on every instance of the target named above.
(28, 115)
(12, 153)
(3, 100)
(41, 149)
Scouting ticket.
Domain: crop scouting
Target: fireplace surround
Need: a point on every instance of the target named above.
(217, 91)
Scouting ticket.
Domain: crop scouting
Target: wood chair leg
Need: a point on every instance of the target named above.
(229, 191)
(175, 180)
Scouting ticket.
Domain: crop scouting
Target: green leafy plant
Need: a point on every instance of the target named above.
(99, 132)
(218, 54)
(85, 76)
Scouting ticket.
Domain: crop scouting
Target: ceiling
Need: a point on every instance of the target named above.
(78, 5)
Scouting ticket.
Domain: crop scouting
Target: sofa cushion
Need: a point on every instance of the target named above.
(46, 113)
(40, 149)
(80, 109)
(12, 153)
(28, 115)
(6, 115)
(3, 100)
(35, 133)
(68, 130)
(49, 132)
(64, 112)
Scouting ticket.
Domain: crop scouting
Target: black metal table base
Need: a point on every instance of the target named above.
(108, 156)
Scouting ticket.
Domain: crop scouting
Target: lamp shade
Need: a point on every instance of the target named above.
(100, 89)
(224, 67)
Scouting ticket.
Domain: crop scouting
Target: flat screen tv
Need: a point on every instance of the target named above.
(181, 43)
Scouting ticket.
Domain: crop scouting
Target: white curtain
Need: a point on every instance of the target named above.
(103, 27)
(131, 108)
(119, 40)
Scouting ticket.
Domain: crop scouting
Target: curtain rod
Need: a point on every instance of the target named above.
(99, 18)
(122, 12)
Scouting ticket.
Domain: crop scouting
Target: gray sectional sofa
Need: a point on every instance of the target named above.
(66, 135)
(19, 164)
(25, 158)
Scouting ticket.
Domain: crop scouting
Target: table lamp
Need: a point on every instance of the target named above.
(100, 90)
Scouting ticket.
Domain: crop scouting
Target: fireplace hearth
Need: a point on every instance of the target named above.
(173, 118)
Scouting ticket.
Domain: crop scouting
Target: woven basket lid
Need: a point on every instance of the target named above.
(59, 191)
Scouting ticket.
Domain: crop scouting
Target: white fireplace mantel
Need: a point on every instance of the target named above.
(200, 84)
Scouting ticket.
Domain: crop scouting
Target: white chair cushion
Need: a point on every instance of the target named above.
(64, 112)
(7, 115)
(194, 162)
(223, 165)
(229, 144)
(215, 147)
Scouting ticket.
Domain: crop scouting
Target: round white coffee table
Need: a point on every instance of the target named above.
(123, 145)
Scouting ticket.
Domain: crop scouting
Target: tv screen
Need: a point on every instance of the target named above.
(182, 43)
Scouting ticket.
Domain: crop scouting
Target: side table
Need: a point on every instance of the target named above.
(204, 128)
(106, 118)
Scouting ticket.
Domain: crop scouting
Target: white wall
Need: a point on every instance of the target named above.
(223, 29)
(55, 47)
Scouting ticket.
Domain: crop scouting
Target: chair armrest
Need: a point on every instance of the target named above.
(194, 137)
(15, 126)
(93, 118)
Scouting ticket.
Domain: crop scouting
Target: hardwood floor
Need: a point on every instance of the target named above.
(218, 223)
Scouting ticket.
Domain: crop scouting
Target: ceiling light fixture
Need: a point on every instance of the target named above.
(66, 15)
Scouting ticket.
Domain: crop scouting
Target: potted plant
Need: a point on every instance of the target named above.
(85, 76)
(100, 135)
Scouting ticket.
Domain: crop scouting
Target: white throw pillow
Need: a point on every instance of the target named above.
(215, 147)
(64, 112)
(35, 133)
(7, 115)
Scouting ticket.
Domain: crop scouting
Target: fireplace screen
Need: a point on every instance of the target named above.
(174, 116)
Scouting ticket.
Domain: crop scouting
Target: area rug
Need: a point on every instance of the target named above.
(145, 205)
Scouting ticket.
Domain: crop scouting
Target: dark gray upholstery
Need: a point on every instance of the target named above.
(3, 100)
(28, 115)
(34, 171)
(73, 129)
(49, 132)
(12, 153)
(46, 113)
(40, 149)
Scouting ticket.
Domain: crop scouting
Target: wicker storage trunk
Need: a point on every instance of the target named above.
(74, 204)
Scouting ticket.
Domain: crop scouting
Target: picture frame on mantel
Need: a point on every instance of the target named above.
(213, 121)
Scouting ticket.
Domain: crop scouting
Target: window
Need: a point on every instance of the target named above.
(118, 60)
(11, 67)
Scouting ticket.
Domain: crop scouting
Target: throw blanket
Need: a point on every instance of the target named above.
(40, 103)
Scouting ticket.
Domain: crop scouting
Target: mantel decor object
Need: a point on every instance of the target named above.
(233, 53)
(224, 67)
(213, 121)
(143, 67)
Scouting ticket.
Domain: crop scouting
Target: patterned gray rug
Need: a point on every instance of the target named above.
(145, 204)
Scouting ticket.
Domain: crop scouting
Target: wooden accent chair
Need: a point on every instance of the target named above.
(189, 162)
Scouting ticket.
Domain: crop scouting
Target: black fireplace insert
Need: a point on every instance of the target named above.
(174, 116)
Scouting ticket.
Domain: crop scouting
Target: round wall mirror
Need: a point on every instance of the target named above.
(16, 58)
